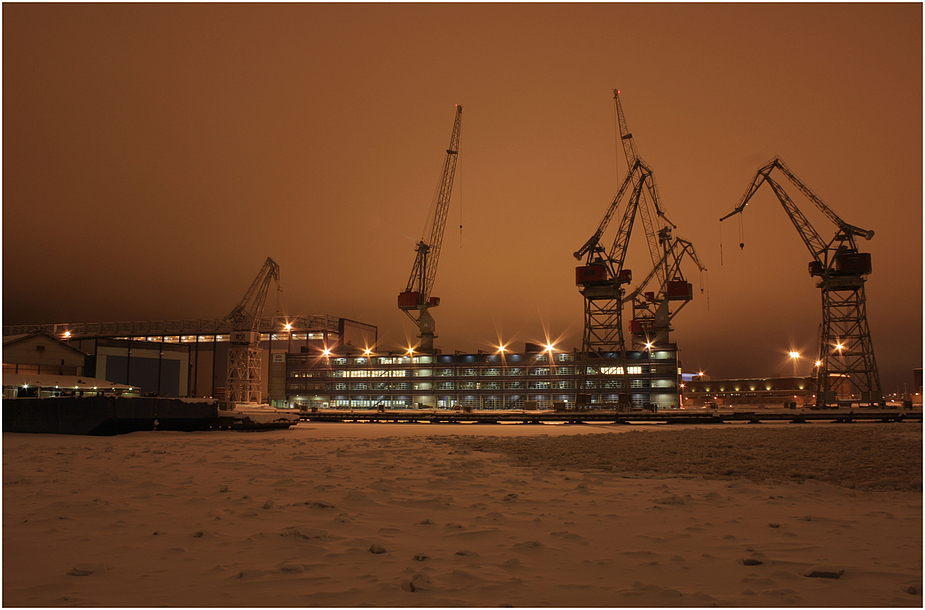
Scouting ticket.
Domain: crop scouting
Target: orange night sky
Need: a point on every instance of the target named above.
(155, 154)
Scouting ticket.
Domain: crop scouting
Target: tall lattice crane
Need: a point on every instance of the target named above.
(603, 278)
(846, 354)
(416, 300)
(244, 369)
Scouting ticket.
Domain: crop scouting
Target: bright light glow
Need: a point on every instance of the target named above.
(648, 346)
(549, 347)
(326, 352)
(818, 362)
(67, 333)
(839, 347)
(794, 354)
(502, 348)
(410, 350)
(367, 351)
(288, 326)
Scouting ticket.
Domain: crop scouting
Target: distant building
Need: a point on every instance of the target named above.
(766, 392)
(38, 364)
(40, 352)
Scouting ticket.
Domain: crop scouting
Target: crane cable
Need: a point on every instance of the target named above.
(459, 189)
(705, 283)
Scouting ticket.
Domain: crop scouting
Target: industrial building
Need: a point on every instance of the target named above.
(177, 358)
(323, 362)
(535, 378)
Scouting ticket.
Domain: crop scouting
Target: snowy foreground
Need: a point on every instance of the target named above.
(466, 515)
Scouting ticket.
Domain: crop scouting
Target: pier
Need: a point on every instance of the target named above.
(603, 416)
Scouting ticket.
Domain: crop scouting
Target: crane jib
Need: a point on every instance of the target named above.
(416, 296)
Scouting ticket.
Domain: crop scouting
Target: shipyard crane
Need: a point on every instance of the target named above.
(243, 384)
(602, 279)
(846, 353)
(653, 310)
(416, 299)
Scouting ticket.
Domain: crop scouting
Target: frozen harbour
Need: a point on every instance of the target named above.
(465, 515)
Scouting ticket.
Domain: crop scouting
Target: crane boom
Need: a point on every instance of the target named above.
(247, 313)
(644, 178)
(417, 293)
(817, 246)
(670, 262)
(629, 150)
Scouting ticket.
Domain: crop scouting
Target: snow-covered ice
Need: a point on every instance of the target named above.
(467, 515)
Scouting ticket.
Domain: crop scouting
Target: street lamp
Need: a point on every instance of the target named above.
(794, 356)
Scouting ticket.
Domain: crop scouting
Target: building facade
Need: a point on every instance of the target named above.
(503, 380)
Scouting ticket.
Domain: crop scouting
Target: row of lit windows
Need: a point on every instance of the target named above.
(542, 401)
(223, 338)
(618, 370)
(562, 371)
(465, 385)
(767, 388)
(489, 358)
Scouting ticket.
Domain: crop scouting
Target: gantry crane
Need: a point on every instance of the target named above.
(416, 296)
(846, 353)
(243, 384)
(603, 277)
